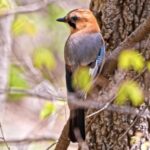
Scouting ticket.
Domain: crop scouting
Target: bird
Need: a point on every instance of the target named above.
(85, 47)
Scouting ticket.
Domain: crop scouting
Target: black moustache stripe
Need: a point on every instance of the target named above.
(72, 24)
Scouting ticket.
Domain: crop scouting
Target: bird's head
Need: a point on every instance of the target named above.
(81, 19)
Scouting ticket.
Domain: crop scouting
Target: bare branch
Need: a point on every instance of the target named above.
(89, 103)
(51, 146)
(30, 140)
(132, 124)
(27, 8)
(32, 93)
(138, 35)
(3, 138)
(102, 109)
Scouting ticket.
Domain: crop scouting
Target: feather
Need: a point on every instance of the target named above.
(82, 49)
(99, 63)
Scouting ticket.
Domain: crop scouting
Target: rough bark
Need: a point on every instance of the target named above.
(111, 130)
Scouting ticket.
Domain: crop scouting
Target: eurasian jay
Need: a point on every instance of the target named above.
(84, 47)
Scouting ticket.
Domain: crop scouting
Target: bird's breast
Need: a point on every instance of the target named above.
(82, 49)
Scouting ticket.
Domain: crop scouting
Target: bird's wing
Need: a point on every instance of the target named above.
(85, 50)
(82, 49)
(99, 62)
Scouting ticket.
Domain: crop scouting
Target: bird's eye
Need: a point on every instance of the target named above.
(74, 18)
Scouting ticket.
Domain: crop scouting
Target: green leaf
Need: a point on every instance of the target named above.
(124, 60)
(44, 58)
(24, 25)
(129, 90)
(122, 94)
(47, 110)
(16, 80)
(131, 59)
(81, 79)
(4, 4)
(135, 93)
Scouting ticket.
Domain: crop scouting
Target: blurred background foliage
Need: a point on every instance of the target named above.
(131, 59)
(81, 79)
(17, 80)
(37, 65)
(24, 25)
(47, 39)
(47, 110)
(4, 5)
(130, 90)
(44, 58)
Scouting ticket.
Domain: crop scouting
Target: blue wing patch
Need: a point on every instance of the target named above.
(99, 62)
(101, 55)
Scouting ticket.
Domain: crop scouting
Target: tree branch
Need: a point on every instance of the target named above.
(3, 138)
(30, 140)
(138, 35)
(89, 103)
(27, 8)
(32, 93)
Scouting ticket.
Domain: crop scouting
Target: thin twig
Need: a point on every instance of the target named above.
(141, 73)
(102, 109)
(51, 146)
(33, 94)
(90, 103)
(3, 138)
(27, 8)
(30, 140)
(108, 103)
(135, 120)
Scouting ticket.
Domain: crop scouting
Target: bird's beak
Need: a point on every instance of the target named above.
(62, 19)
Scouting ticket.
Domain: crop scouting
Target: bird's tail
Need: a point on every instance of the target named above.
(77, 124)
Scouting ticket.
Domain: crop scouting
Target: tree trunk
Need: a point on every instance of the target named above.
(114, 130)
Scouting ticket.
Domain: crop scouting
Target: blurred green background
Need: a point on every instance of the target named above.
(36, 67)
